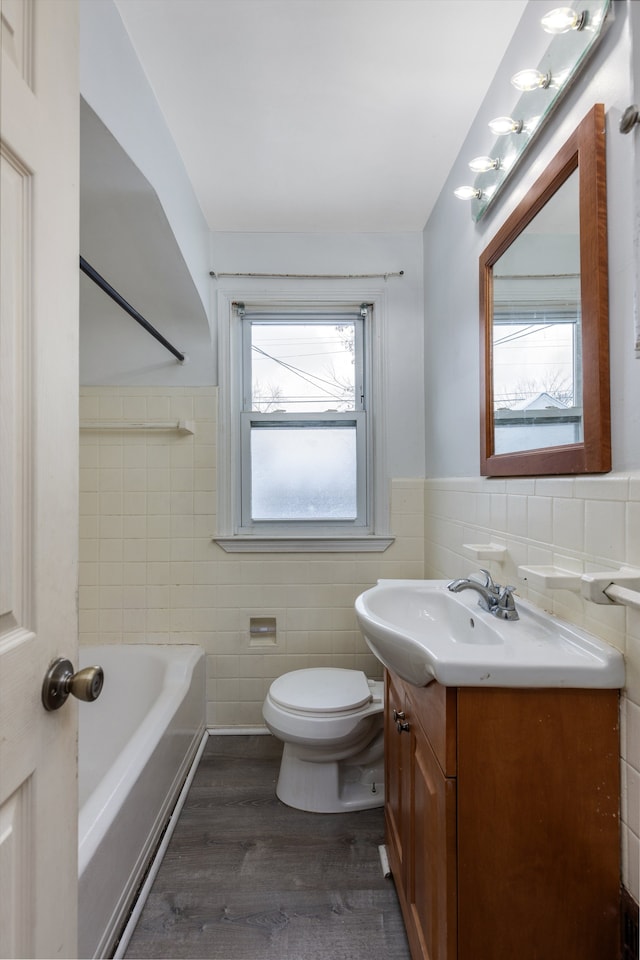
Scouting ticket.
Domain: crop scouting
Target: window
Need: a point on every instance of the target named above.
(537, 363)
(301, 436)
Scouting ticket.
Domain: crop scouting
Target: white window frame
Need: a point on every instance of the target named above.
(371, 533)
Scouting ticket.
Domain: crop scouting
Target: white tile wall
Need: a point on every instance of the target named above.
(150, 571)
(580, 524)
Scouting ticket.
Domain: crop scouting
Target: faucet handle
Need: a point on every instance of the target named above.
(506, 604)
(489, 582)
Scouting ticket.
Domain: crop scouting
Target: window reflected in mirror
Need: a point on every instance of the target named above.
(537, 368)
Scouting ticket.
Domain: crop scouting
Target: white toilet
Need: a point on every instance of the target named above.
(330, 720)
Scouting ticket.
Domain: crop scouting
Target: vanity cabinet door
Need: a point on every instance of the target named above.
(538, 828)
(420, 812)
(432, 883)
(397, 781)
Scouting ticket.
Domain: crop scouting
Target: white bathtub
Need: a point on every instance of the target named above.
(137, 742)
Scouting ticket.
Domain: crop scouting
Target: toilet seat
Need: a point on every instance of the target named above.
(321, 690)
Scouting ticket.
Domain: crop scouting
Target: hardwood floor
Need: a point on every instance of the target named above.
(247, 878)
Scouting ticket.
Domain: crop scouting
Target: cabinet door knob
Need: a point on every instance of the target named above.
(398, 715)
(403, 726)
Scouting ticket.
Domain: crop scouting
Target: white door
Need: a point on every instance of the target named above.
(39, 110)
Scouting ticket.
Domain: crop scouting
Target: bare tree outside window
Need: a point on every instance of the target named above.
(303, 366)
(266, 397)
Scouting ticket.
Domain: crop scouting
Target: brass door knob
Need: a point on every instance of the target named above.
(60, 681)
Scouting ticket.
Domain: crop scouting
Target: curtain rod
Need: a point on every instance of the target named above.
(310, 276)
(113, 293)
(537, 276)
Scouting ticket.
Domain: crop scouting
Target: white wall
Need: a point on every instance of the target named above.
(351, 254)
(453, 244)
(151, 572)
(149, 567)
(114, 85)
(126, 237)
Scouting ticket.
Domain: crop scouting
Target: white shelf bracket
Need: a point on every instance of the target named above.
(612, 586)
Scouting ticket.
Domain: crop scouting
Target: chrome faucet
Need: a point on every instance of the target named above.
(496, 600)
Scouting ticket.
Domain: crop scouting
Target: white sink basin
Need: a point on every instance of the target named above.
(424, 632)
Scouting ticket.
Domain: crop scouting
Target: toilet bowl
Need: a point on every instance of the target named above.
(330, 721)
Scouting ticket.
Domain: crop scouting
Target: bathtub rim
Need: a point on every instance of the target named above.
(111, 880)
(148, 736)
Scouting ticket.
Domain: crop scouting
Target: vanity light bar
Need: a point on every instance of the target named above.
(557, 21)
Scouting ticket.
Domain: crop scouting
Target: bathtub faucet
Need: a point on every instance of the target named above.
(496, 600)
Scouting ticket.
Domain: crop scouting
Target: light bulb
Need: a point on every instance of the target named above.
(530, 79)
(483, 164)
(467, 193)
(563, 19)
(501, 126)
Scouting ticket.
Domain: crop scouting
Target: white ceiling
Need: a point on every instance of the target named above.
(319, 115)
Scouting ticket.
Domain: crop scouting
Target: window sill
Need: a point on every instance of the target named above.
(370, 544)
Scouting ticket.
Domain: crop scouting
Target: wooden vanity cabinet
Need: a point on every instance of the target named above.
(502, 821)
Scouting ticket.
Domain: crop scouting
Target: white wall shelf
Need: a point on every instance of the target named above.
(550, 578)
(608, 587)
(485, 551)
(179, 426)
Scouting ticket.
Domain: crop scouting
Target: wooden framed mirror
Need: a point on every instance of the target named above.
(544, 322)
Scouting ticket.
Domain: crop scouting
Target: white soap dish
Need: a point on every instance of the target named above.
(550, 577)
(485, 551)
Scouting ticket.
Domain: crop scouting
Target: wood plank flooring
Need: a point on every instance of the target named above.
(247, 878)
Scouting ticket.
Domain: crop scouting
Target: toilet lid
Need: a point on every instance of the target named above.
(321, 690)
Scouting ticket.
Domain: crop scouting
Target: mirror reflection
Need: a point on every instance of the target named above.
(537, 363)
(544, 364)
